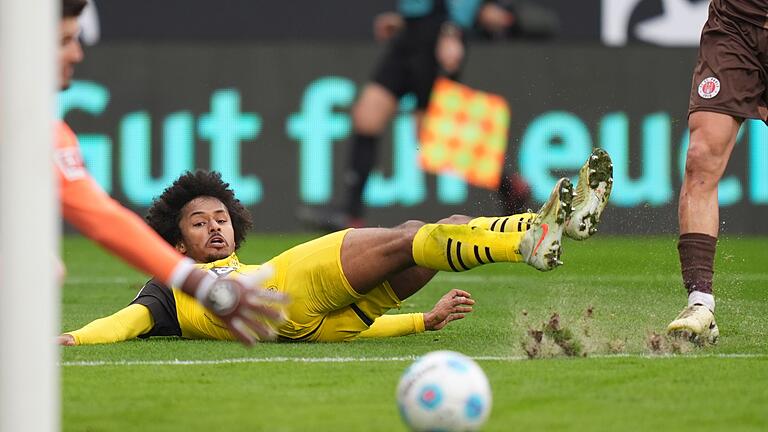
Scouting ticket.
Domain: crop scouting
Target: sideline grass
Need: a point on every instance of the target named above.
(632, 284)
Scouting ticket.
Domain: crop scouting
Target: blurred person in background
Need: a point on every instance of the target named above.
(426, 39)
(730, 84)
(241, 305)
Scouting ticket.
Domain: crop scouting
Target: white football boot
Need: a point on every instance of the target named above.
(695, 323)
(592, 192)
(540, 246)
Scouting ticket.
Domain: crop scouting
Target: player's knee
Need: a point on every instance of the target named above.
(359, 115)
(406, 231)
(367, 121)
(410, 226)
(702, 162)
(712, 138)
(456, 219)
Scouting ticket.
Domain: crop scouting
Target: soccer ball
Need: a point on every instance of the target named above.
(446, 391)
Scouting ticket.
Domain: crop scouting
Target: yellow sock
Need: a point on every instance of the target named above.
(125, 324)
(515, 223)
(462, 247)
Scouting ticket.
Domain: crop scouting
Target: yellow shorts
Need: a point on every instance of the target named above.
(323, 308)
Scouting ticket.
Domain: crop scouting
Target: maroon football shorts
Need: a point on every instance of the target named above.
(731, 75)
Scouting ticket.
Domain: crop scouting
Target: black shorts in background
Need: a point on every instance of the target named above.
(409, 64)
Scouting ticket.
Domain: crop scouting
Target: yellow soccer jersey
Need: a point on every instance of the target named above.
(197, 322)
(323, 306)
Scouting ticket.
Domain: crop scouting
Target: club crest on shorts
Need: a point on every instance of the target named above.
(709, 87)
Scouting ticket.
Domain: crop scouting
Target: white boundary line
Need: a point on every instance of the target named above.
(247, 360)
(593, 279)
(512, 278)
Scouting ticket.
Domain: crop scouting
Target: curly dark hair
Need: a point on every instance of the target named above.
(72, 8)
(165, 213)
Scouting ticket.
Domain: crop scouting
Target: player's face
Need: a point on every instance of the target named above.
(206, 230)
(70, 51)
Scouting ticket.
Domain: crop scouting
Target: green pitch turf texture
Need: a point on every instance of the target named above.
(631, 284)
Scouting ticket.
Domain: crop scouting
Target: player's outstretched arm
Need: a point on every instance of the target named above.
(125, 324)
(136, 319)
(258, 309)
(454, 305)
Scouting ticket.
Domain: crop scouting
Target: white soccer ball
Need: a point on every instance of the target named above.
(446, 391)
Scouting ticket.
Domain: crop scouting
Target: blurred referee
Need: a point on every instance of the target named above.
(426, 38)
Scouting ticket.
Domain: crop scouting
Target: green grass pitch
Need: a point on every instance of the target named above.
(631, 284)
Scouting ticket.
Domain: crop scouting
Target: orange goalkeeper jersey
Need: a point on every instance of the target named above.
(86, 206)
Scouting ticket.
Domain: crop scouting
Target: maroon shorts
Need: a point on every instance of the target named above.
(731, 75)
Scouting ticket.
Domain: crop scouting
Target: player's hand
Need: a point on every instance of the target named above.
(495, 19)
(387, 25)
(66, 340)
(251, 312)
(452, 306)
(449, 52)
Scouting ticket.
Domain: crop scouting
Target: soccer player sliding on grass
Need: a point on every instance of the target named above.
(341, 285)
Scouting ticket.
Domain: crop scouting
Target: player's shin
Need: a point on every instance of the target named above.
(515, 223)
(463, 247)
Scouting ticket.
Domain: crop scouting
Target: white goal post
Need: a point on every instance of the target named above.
(29, 227)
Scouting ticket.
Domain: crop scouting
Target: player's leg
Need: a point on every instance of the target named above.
(712, 138)
(349, 267)
(515, 223)
(371, 255)
(397, 268)
(592, 193)
(729, 84)
(591, 197)
(451, 248)
(370, 116)
(372, 112)
(411, 280)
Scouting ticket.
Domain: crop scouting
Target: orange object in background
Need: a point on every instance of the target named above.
(465, 133)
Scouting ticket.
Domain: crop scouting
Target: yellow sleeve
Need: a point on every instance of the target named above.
(125, 324)
(395, 325)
